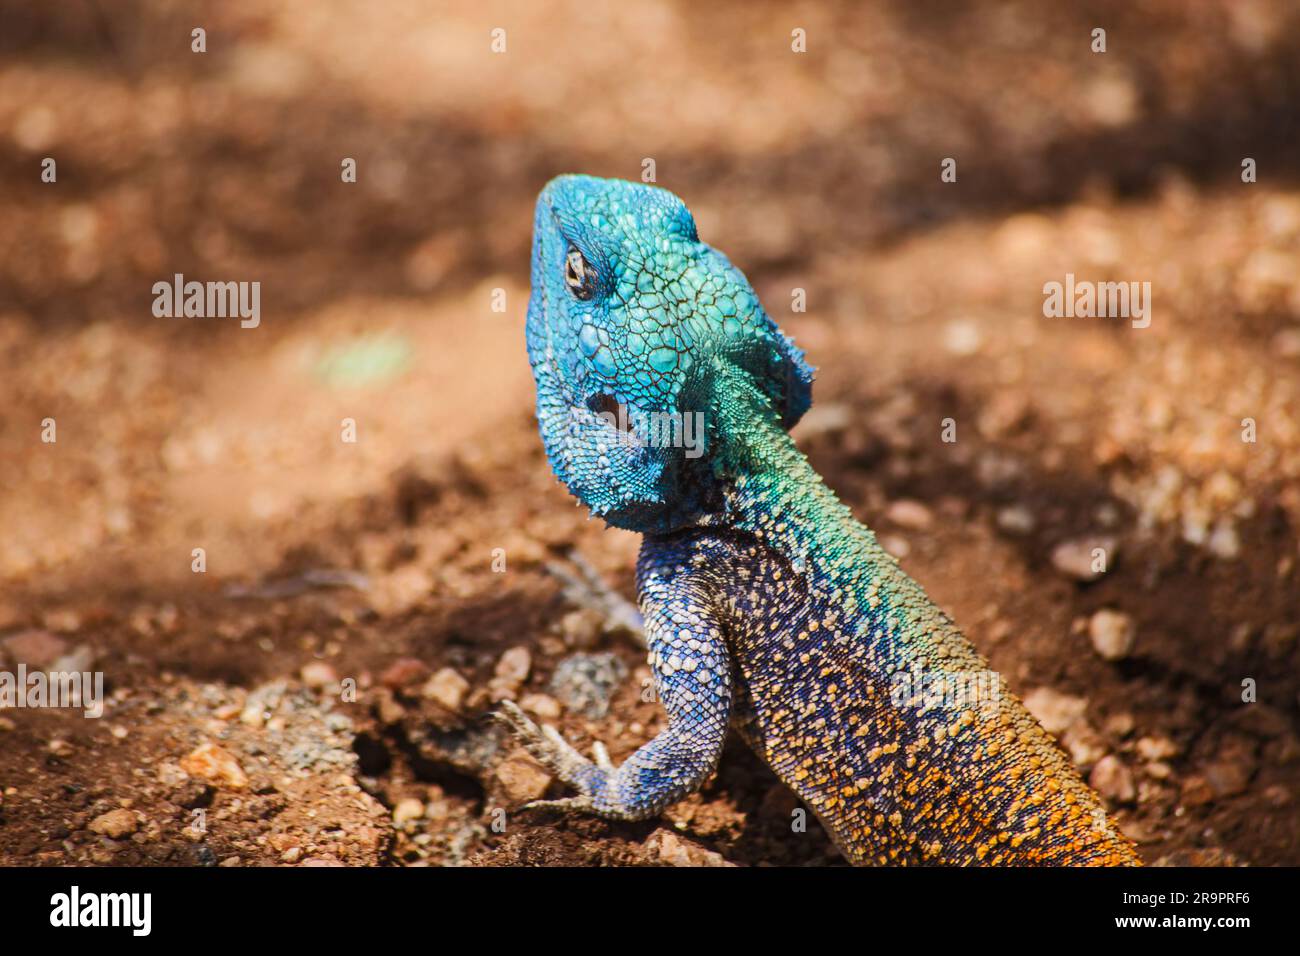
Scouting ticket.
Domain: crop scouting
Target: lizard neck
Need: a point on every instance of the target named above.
(772, 492)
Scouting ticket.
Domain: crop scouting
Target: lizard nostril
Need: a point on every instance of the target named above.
(611, 408)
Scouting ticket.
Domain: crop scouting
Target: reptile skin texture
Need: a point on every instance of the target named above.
(768, 608)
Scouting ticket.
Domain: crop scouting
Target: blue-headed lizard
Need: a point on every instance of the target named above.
(767, 606)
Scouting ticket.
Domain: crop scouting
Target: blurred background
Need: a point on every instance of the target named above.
(372, 561)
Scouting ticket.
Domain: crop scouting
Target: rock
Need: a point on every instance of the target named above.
(1199, 858)
(216, 765)
(1084, 744)
(388, 708)
(1112, 634)
(1120, 724)
(407, 810)
(1224, 542)
(521, 778)
(1076, 559)
(1156, 748)
(1057, 712)
(1113, 780)
(10, 616)
(291, 855)
(447, 689)
(1262, 721)
(318, 675)
(400, 591)
(81, 660)
(35, 648)
(1111, 99)
(64, 620)
(1278, 795)
(171, 775)
(511, 671)
(1227, 778)
(585, 682)
(962, 337)
(1015, 519)
(896, 545)
(827, 418)
(115, 824)
(547, 708)
(321, 861)
(1003, 414)
(404, 672)
(582, 629)
(909, 514)
(1286, 343)
(514, 665)
(671, 850)
(1196, 791)
(262, 704)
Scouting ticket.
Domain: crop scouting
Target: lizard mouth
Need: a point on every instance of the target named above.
(612, 411)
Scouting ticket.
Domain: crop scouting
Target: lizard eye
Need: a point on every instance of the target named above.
(579, 276)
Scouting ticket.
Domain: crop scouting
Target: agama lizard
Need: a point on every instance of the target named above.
(767, 606)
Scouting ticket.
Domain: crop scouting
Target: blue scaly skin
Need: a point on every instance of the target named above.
(767, 607)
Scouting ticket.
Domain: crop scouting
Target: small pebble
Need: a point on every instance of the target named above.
(35, 648)
(407, 810)
(1076, 558)
(404, 672)
(909, 514)
(514, 665)
(1015, 519)
(1113, 780)
(670, 849)
(215, 764)
(115, 824)
(521, 778)
(541, 705)
(446, 688)
(1224, 542)
(318, 675)
(585, 682)
(582, 629)
(1156, 748)
(1057, 712)
(1112, 634)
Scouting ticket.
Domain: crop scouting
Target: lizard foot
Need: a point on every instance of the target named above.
(549, 748)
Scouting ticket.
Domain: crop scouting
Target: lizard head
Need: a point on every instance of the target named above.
(630, 319)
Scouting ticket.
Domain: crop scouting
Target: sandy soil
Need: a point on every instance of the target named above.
(318, 695)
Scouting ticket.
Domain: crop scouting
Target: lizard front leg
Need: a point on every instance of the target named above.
(692, 675)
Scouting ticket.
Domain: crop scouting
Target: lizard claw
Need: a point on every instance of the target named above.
(566, 804)
(546, 745)
(599, 752)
